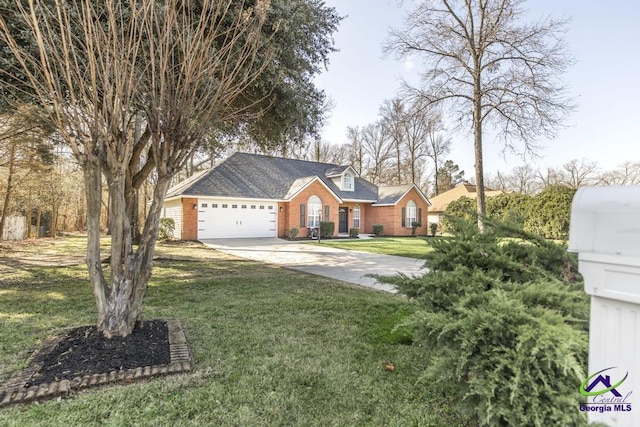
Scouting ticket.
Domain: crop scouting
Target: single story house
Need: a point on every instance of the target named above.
(251, 195)
(440, 202)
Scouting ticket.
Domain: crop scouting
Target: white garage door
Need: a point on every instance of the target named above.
(236, 219)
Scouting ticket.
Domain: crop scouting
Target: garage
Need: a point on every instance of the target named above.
(219, 219)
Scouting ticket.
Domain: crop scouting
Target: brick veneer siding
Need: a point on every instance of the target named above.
(363, 215)
(292, 211)
(283, 219)
(391, 216)
(189, 219)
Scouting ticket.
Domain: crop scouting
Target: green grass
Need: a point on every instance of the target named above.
(412, 247)
(271, 347)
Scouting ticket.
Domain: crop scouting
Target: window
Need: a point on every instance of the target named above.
(270, 207)
(356, 216)
(261, 206)
(347, 182)
(214, 205)
(253, 206)
(244, 206)
(315, 207)
(234, 206)
(411, 213)
(225, 206)
(204, 205)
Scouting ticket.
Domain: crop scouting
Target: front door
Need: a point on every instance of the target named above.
(343, 220)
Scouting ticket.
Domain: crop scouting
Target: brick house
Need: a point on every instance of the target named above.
(250, 195)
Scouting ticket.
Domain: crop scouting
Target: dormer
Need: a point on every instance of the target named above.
(344, 177)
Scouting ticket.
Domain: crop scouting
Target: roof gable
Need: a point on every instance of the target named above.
(391, 195)
(302, 183)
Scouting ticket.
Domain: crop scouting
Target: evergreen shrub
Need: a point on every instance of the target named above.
(326, 229)
(550, 211)
(167, 228)
(433, 227)
(292, 233)
(377, 229)
(505, 320)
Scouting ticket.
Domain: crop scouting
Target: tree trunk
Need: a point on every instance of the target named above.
(119, 302)
(29, 214)
(93, 195)
(398, 161)
(38, 221)
(54, 221)
(7, 194)
(477, 142)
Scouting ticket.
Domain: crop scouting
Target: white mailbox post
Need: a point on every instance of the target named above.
(605, 232)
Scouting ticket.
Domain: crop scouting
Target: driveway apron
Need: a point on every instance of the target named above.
(346, 265)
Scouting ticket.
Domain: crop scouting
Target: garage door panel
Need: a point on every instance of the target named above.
(236, 219)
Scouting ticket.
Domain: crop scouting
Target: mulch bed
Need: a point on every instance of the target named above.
(85, 351)
(83, 357)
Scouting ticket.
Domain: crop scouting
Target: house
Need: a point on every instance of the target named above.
(440, 202)
(250, 195)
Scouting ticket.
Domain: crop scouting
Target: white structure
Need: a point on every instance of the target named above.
(605, 232)
(15, 228)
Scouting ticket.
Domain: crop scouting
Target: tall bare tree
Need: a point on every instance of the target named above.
(577, 173)
(378, 148)
(485, 65)
(522, 179)
(97, 69)
(355, 149)
(393, 114)
(628, 173)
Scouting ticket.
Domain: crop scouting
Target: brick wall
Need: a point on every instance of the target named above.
(391, 216)
(292, 212)
(189, 218)
(283, 221)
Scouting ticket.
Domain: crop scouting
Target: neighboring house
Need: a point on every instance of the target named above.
(250, 195)
(440, 202)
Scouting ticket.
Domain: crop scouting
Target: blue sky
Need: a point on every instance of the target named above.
(603, 38)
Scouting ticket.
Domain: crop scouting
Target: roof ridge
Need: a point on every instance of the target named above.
(285, 158)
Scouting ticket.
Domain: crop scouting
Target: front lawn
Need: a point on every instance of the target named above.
(412, 247)
(271, 347)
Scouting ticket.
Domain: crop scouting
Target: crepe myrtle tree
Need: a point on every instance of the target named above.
(97, 71)
(487, 66)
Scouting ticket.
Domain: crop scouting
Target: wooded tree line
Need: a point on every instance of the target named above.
(573, 174)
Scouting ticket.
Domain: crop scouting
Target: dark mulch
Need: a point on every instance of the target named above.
(85, 351)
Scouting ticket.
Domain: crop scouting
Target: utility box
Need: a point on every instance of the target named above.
(605, 232)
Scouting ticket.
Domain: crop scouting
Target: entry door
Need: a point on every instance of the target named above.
(343, 222)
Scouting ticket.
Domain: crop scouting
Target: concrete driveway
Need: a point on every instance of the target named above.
(341, 264)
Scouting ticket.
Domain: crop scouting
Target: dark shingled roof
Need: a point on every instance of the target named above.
(392, 194)
(255, 176)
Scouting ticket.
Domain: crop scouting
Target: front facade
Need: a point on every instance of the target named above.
(252, 195)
